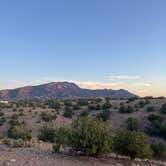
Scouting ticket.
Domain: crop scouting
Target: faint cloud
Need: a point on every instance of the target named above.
(122, 77)
(141, 84)
(97, 85)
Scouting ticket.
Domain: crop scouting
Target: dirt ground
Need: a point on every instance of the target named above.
(43, 156)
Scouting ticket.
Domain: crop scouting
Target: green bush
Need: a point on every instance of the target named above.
(76, 107)
(68, 113)
(1, 113)
(142, 103)
(54, 105)
(84, 113)
(163, 109)
(17, 132)
(94, 107)
(91, 137)
(106, 106)
(153, 117)
(83, 102)
(124, 109)
(104, 115)
(47, 116)
(132, 124)
(68, 103)
(2, 120)
(132, 99)
(157, 127)
(150, 109)
(159, 150)
(14, 120)
(132, 143)
(154, 126)
(163, 131)
(61, 138)
(47, 133)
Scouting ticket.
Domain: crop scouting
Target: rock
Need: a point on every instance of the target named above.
(13, 160)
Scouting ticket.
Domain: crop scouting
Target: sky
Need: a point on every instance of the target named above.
(117, 44)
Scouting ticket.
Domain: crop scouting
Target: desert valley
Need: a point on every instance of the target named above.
(40, 124)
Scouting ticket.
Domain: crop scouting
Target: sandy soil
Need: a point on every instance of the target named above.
(43, 156)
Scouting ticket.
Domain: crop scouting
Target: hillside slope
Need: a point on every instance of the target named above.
(61, 90)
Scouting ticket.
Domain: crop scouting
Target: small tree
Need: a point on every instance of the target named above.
(106, 106)
(132, 143)
(132, 124)
(17, 132)
(47, 117)
(91, 137)
(105, 115)
(68, 113)
(47, 133)
(163, 130)
(62, 138)
(159, 150)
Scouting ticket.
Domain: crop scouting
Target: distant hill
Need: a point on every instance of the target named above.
(61, 90)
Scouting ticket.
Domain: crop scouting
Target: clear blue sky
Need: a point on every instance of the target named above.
(86, 40)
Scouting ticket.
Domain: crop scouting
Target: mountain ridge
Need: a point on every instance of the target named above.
(61, 90)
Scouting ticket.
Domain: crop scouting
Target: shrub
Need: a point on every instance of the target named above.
(105, 115)
(84, 113)
(142, 103)
(68, 113)
(154, 127)
(14, 110)
(91, 137)
(123, 109)
(83, 102)
(132, 143)
(163, 109)
(132, 124)
(47, 133)
(129, 109)
(154, 117)
(106, 106)
(55, 105)
(21, 110)
(14, 120)
(68, 103)
(47, 116)
(76, 107)
(1, 113)
(94, 107)
(61, 138)
(2, 120)
(163, 130)
(17, 132)
(150, 109)
(159, 150)
(132, 99)
(12, 143)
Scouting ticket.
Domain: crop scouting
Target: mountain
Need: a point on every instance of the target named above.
(61, 90)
